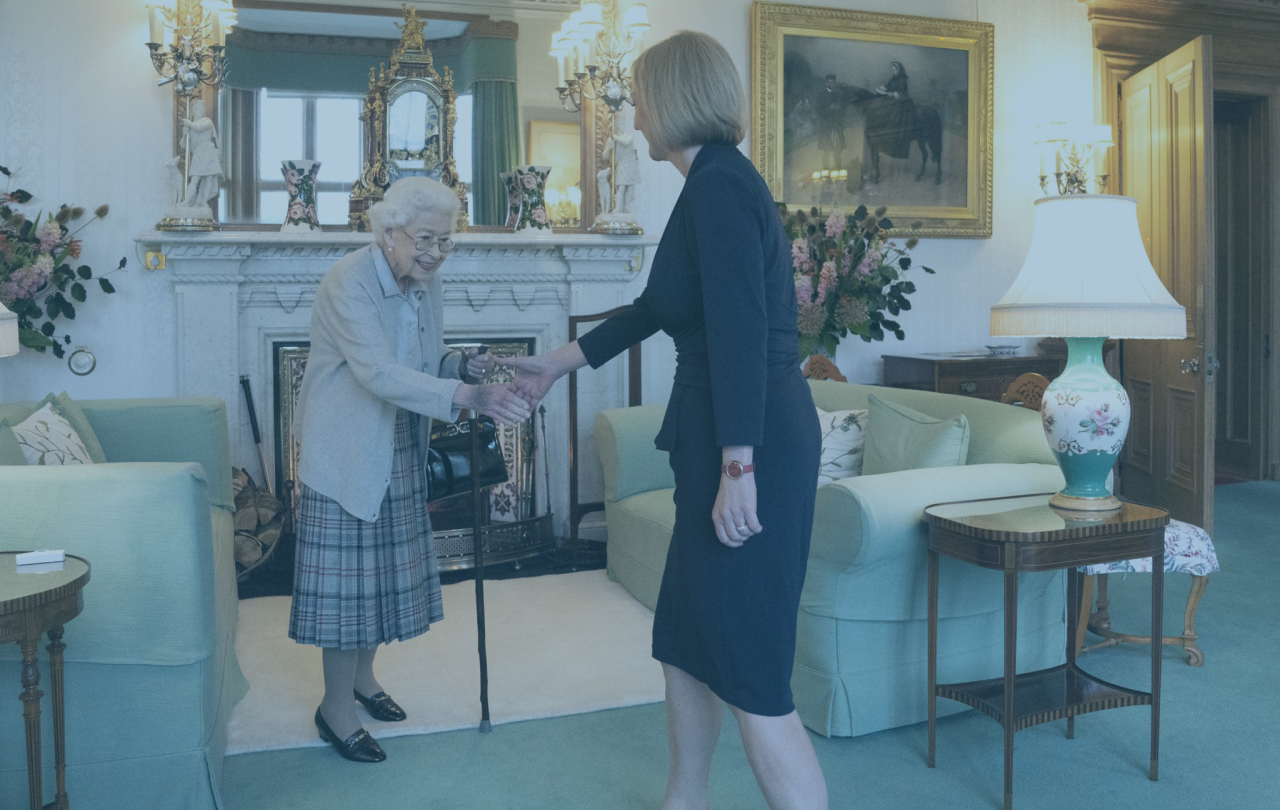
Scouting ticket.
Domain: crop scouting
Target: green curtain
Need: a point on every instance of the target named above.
(495, 146)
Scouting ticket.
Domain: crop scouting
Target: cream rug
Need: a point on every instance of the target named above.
(558, 644)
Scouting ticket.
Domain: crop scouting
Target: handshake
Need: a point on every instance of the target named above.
(511, 402)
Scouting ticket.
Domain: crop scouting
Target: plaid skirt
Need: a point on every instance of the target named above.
(358, 584)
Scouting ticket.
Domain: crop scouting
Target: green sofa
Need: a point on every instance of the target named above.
(861, 641)
(151, 669)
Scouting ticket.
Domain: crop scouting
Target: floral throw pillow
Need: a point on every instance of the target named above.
(47, 438)
(843, 438)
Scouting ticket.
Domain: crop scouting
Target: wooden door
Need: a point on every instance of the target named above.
(1166, 131)
(1241, 174)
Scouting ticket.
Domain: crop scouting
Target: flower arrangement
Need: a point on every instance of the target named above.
(848, 274)
(37, 280)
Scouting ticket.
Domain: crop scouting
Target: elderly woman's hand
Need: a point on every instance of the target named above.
(479, 365)
(495, 400)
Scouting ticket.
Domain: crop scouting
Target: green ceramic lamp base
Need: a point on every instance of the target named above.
(1085, 414)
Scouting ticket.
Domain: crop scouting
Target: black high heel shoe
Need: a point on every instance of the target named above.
(359, 747)
(381, 707)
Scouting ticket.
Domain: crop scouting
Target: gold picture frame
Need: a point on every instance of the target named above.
(855, 107)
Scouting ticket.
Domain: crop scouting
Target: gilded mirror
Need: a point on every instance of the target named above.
(299, 78)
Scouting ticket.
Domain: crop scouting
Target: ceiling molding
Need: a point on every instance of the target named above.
(1132, 34)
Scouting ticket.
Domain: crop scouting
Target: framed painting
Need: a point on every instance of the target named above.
(854, 107)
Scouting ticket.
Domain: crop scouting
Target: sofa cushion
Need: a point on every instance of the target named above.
(900, 438)
(47, 439)
(11, 454)
(843, 439)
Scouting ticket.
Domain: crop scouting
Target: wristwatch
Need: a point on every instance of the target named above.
(736, 469)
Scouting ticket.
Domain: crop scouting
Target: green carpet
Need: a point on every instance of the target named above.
(1220, 731)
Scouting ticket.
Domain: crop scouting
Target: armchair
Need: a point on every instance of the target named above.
(151, 670)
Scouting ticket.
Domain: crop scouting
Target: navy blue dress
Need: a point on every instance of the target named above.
(722, 287)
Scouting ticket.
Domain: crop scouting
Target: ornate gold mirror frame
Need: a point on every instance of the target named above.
(412, 70)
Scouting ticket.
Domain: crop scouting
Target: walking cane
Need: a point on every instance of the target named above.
(478, 545)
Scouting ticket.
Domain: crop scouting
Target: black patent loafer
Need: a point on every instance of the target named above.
(359, 747)
(381, 707)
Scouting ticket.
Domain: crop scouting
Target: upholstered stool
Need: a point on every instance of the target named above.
(1188, 550)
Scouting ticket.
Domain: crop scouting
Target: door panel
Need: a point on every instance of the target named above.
(1167, 128)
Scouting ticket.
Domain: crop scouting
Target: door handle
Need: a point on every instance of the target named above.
(1211, 366)
(1191, 366)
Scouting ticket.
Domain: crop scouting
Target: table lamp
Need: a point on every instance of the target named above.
(1086, 278)
(8, 332)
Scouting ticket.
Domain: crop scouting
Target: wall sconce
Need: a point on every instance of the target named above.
(594, 51)
(188, 42)
(1077, 153)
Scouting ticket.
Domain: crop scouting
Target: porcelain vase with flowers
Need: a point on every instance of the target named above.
(300, 182)
(532, 182)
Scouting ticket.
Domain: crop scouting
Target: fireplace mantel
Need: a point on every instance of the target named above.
(237, 293)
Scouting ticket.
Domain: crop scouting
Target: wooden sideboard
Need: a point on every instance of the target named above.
(984, 377)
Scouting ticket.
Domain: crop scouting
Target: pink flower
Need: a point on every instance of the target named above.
(799, 252)
(50, 236)
(870, 261)
(311, 213)
(835, 224)
(529, 181)
(826, 281)
(27, 281)
(291, 178)
(804, 288)
(540, 215)
(297, 211)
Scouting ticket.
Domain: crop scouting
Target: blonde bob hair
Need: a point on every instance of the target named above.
(406, 200)
(690, 92)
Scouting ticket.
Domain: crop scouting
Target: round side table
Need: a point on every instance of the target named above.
(32, 603)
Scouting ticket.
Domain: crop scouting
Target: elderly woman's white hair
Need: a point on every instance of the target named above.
(406, 200)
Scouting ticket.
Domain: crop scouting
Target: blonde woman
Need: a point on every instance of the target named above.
(740, 428)
(378, 370)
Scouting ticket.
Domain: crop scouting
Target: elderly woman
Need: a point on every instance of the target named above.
(366, 571)
(741, 430)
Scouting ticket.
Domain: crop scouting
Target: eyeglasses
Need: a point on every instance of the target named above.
(443, 243)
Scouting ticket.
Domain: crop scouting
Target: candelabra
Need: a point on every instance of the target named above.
(595, 63)
(188, 42)
(1073, 150)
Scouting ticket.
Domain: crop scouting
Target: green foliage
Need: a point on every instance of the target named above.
(36, 274)
(848, 276)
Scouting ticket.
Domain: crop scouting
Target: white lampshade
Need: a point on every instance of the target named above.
(8, 332)
(592, 18)
(636, 19)
(1087, 275)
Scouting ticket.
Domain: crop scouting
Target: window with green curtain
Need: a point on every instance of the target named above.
(495, 146)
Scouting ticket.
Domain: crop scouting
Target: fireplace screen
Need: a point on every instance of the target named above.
(514, 503)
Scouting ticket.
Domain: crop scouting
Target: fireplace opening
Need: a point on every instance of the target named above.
(516, 522)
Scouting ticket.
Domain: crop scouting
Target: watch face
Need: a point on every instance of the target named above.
(733, 469)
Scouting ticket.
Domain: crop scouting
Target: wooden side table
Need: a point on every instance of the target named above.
(1025, 534)
(32, 604)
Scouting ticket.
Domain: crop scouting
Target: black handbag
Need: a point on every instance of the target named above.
(449, 468)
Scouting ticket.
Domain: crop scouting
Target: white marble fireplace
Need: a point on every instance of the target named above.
(238, 293)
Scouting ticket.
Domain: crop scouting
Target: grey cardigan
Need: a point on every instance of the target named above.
(345, 419)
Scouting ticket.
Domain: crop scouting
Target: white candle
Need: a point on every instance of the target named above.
(560, 67)
(1057, 159)
(157, 33)
(1099, 162)
(1041, 150)
(215, 30)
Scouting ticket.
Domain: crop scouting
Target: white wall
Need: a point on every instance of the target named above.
(82, 122)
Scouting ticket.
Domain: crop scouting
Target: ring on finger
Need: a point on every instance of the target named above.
(742, 529)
